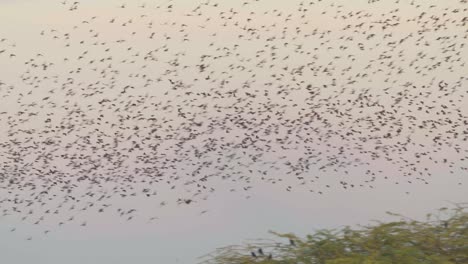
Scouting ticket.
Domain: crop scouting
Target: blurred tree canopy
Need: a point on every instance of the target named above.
(441, 239)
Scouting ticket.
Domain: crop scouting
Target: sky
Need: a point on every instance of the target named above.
(182, 234)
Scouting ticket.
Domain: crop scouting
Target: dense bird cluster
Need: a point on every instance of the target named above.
(157, 97)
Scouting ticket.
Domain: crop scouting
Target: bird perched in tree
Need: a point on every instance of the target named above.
(292, 243)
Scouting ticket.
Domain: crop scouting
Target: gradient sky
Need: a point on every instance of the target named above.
(181, 234)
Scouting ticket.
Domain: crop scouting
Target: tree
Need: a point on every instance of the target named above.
(441, 239)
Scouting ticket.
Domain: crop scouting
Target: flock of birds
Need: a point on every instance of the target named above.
(157, 98)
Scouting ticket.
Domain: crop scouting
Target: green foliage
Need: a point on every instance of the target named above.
(441, 239)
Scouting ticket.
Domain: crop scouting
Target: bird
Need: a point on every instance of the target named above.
(292, 243)
(274, 98)
(260, 252)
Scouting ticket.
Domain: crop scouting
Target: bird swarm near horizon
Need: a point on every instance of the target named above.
(155, 98)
